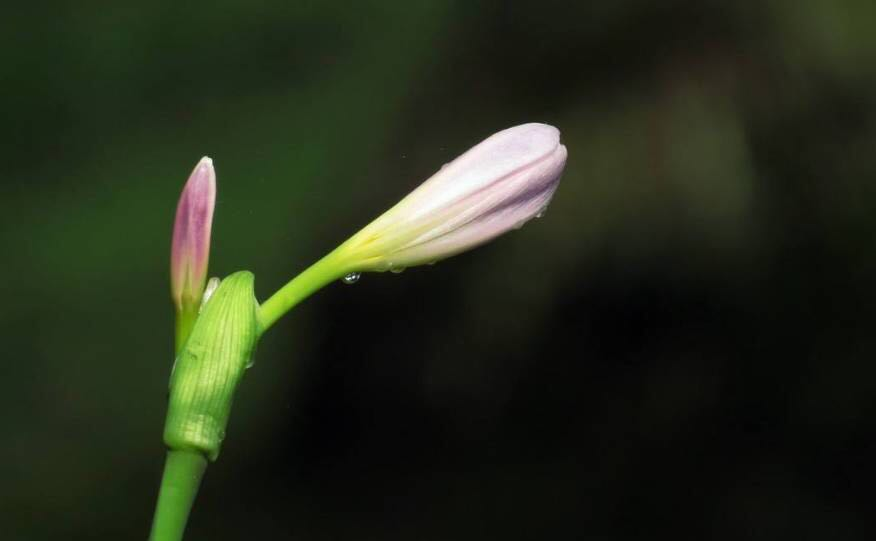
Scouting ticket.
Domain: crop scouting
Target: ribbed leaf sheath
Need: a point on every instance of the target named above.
(210, 366)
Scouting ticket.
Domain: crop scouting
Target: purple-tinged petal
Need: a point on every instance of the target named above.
(496, 186)
(190, 252)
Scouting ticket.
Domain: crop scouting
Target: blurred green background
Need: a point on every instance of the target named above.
(683, 346)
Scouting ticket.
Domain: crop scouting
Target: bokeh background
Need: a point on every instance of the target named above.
(684, 344)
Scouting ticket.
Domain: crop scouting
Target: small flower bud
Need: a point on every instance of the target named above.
(496, 186)
(190, 252)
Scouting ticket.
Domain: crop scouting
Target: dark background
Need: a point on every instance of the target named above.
(683, 346)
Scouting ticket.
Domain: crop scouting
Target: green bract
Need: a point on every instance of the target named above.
(210, 365)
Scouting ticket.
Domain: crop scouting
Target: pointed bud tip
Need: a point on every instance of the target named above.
(203, 175)
(206, 164)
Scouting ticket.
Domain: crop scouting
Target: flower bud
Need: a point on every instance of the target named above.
(210, 365)
(190, 252)
(496, 186)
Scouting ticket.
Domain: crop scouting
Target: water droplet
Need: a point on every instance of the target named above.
(221, 434)
(431, 262)
(519, 224)
(396, 270)
(351, 278)
(541, 213)
(388, 266)
(249, 363)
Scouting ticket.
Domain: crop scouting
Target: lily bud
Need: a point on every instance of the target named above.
(496, 186)
(191, 238)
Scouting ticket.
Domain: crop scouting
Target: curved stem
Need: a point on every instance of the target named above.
(183, 471)
(327, 269)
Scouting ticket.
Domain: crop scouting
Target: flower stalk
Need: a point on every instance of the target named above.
(183, 471)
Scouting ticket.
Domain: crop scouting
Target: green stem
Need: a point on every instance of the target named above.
(183, 471)
(327, 269)
(185, 321)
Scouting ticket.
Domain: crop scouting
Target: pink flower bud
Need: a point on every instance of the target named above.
(190, 252)
(496, 186)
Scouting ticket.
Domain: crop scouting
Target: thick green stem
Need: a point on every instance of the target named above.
(327, 269)
(183, 471)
